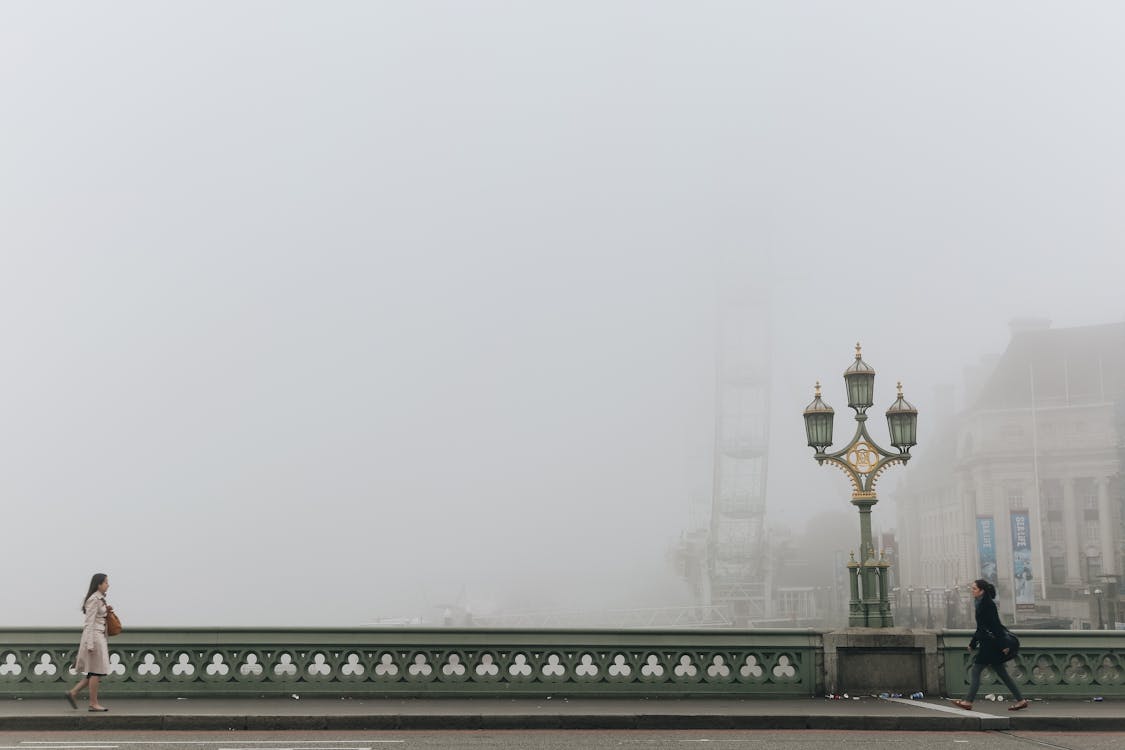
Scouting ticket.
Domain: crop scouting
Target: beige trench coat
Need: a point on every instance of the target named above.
(93, 649)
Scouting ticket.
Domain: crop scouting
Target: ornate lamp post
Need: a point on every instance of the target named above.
(863, 461)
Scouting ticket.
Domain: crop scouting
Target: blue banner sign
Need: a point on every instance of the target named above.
(986, 548)
(1021, 560)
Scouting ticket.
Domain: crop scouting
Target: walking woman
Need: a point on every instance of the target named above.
(93, 649)
(994, 644)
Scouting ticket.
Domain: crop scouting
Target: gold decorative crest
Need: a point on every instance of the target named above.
(863, 457)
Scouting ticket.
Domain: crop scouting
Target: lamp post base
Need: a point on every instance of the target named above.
(869, 606)
(875, 614)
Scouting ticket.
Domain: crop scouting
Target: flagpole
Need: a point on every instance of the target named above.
(1038, 498)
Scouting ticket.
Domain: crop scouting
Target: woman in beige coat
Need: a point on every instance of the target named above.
(93, 650)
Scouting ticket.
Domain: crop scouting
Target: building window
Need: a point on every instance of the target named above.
(1058, 571)
(1055, 530)
(984, 504)
(1089, 495)
(1052, 496)
(1093, 568)
(1015, 498)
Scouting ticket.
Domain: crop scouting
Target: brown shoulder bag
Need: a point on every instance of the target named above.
(112, 623)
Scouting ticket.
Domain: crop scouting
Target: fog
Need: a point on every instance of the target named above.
(320, 313)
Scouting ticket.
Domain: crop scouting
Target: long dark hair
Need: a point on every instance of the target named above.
(96, 580)
(988, 589)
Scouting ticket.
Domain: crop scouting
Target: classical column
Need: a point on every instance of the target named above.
(1106, 526)
(969, 514)
(1073, 543)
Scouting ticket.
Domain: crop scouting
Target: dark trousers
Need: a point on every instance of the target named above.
(1001, 672)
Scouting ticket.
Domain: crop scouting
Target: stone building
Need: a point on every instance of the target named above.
(1024, 486)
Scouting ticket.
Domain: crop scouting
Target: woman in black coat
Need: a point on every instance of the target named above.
(994, 644)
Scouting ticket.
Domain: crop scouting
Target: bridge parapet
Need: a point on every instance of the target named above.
(415, 661)
(518, 663)
(1052, 663)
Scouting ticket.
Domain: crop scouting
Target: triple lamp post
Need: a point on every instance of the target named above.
(862, 460)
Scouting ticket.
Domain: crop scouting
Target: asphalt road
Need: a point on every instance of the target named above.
(557, 740)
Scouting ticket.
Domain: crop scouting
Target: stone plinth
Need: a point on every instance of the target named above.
(865, 661)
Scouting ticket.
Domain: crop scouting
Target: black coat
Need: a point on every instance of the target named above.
(991, 637)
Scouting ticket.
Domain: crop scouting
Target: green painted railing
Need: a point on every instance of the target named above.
(1052, 663)
(490, 662)
(440, 661)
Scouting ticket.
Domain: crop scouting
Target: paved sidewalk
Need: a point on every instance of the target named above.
(557, 713)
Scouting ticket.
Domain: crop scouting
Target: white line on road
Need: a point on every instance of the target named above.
(940, 707)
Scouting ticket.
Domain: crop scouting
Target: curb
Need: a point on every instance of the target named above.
(436, 722)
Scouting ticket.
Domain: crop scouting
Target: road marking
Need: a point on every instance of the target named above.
(939, 707)
(288, 744)
(45, 745)
(41, 744)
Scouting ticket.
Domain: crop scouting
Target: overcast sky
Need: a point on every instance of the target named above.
(312, 313)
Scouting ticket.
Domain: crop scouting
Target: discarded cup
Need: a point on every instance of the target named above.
(916, 696)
